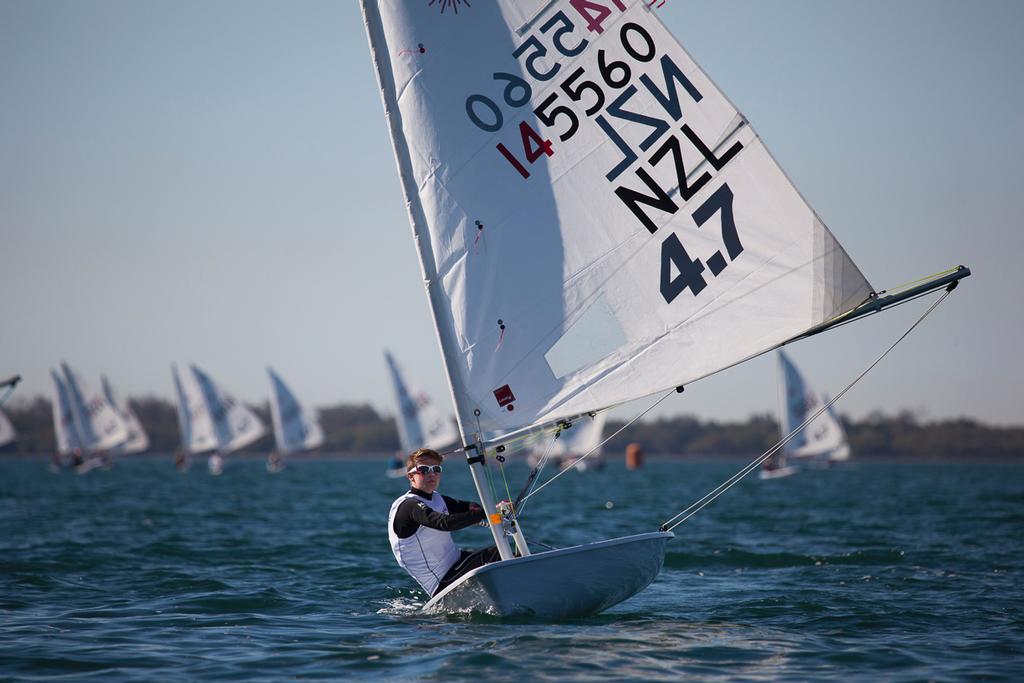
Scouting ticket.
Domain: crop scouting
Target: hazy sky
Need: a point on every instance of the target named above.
(213, 182)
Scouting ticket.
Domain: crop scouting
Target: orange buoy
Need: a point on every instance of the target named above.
(634, 456)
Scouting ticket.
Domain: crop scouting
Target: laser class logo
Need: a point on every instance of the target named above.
(453, 5)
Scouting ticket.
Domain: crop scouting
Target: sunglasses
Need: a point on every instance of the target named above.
(426, 469)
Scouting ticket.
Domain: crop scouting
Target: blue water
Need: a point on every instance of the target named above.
(866, 572)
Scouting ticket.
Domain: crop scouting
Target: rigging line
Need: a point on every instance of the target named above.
(573, 464)
(531, 480)
(535, 435)
(708, 498)
(490, 483)
(501, 468)
(490, 479)
(480, 453)
(753, 465)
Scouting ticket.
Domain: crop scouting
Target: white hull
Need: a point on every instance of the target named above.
(89, 465)
(569, 582)
(777, 473)
(841, 454)
(396, 468)
(590, 464)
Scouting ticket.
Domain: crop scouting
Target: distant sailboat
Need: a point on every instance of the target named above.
(194, 422)
(7, 433)
(138, 440)
(68, 442)
(595, 222)
(98, 424)
(822, 438)
(295, 429)
(235, 426)
(421, 424)
(777, 467)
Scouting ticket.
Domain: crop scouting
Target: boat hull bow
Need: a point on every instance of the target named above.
(569, 582)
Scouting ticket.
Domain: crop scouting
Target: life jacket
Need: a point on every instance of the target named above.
(428, 554)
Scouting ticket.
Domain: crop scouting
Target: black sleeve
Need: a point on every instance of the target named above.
(412, 513)
(455, 505)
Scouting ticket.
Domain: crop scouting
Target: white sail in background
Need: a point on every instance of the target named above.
(294, 428)
(235, 425)
(421, 424)
(841, 452)
(64, 429)
(582, 438)
(194, 420)
(596, 221)
(7, 432)
(798, 401)
(137, 440)
(98, 423)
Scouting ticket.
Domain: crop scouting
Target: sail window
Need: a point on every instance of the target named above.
(595, 335)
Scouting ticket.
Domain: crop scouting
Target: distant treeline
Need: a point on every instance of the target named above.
(360, 429)
(876, 435)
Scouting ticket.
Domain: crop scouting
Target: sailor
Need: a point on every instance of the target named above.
(420, 526)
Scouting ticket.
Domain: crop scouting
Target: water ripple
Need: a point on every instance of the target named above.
(893, 572)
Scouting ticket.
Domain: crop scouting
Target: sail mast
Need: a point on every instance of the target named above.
(417, 217)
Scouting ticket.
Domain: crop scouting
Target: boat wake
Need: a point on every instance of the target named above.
(402, 605)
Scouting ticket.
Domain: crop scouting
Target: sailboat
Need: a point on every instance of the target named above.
(235, 426)
(68, 443)
(98, 424)
(421, 424)
(777, 466)
(294, 428)
(595, 222)
(8, 434)
(194, 422)
(822, 437)
(138, 440)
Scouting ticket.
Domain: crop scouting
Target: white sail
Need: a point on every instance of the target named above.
(596, 221)
(64, 428)
(194, 420)
(798, 401)
(99, 425)
(421, 424)
(235, 425)
(842, 451)
(294, 428)
(7, 432)
(137, 440)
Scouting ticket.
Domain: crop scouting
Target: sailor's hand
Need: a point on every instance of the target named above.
(473, 507)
